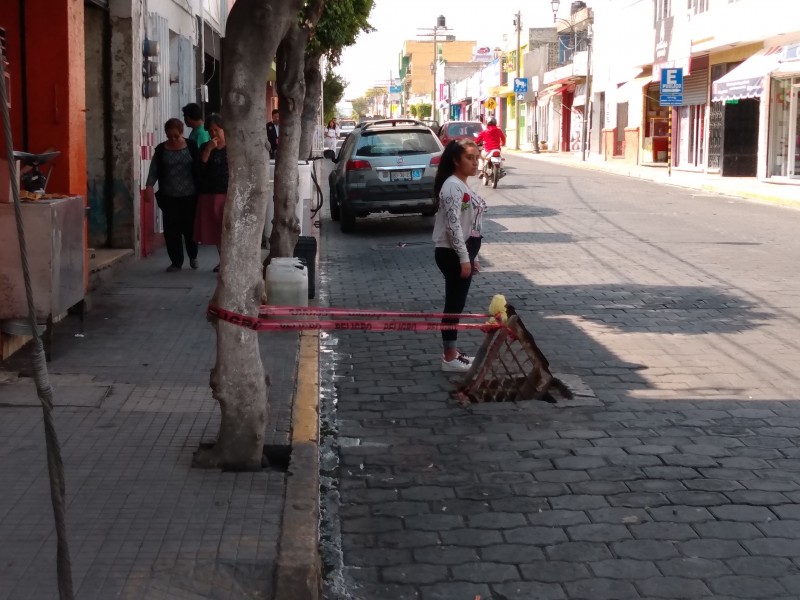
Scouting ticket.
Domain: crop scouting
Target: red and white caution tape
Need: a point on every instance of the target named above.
(313, 311)
(263, 324)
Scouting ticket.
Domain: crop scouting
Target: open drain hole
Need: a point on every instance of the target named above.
(276, 457)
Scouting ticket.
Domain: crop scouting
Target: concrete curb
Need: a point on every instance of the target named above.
(298, 570)
(658, 176)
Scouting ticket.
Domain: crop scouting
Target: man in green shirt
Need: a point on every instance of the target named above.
(193, 117)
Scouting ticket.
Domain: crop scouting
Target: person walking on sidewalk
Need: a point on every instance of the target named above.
(213, 185)
(193, 117)
(174, 167)
(457, 237)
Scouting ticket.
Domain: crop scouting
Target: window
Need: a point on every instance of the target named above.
(698, 6)
(397, 143)
(663, 9)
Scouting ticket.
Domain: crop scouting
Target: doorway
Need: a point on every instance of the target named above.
(740, 144)
(794, 134)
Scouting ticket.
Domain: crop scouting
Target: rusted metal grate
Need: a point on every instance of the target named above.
(510, 367)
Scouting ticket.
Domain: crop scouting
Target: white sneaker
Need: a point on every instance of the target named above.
(460, 364)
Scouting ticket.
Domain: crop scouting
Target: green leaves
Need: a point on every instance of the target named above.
(341, 23)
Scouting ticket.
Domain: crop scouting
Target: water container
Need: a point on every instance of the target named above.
(287, 282)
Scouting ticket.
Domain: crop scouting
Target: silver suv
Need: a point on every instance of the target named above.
(384, 166)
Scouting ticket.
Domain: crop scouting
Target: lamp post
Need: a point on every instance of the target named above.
(555, 4)
(518, 27)
(441, 25)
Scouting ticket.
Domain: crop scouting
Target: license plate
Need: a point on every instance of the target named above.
(409, 175)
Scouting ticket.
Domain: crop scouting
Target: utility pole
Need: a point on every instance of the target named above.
(587, 103)
(518, 25)
(441, 25)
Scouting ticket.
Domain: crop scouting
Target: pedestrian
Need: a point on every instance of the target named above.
(457, 237)
(331, 135)
(193, 117)
(273, 133)
(175, 168)
(213, 185)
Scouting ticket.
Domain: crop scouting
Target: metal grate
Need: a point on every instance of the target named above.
(510, 367)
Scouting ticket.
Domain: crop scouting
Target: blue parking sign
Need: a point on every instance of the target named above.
(672, 87)
(520, 85)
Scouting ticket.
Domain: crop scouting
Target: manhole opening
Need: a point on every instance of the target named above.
(276, 457)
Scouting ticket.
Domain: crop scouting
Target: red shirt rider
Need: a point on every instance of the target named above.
(492, 137)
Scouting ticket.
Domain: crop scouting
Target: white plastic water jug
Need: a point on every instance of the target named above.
(287, 282)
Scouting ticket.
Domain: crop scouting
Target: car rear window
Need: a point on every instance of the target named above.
(464, 129)
(347, 124)
(397, 143)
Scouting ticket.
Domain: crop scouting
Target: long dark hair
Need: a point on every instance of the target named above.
(447, 165)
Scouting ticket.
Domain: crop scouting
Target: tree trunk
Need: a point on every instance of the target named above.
(291, 92)
(311, 103)
(254, 30)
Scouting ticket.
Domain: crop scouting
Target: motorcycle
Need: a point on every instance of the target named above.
(493, 170)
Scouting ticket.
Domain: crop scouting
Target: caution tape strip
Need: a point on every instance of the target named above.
(313, 311)
(261, 324)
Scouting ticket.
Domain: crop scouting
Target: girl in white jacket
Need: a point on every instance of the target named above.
(457, 236)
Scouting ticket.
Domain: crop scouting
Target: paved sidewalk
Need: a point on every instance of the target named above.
(133, 403)
(784, 193)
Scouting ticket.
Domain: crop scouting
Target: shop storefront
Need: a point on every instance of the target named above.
(763, 90)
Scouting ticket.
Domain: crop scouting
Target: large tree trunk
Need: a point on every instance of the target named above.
(291, 91)
(311, 103)
(254, 30)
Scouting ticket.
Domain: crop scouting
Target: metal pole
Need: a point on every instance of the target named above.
(669, 143)
(536, 123)
(435, 65)
(516, 100)
(587, 105)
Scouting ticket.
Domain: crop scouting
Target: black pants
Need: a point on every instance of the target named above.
(179, 227)
(456, 287)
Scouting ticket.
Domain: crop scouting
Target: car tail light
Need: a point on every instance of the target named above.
(435, 160)
(358, 165)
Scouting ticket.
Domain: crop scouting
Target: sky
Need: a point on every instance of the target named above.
(369, 61)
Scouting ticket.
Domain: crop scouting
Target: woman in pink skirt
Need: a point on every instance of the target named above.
(213, 185)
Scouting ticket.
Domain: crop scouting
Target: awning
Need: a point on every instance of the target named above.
(631, 89)
(501, 91)
(747, 80)
(550, 91)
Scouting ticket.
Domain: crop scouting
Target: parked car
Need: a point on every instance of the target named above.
(459, 130)
(346, 126)
(434, 125)
(384, 166)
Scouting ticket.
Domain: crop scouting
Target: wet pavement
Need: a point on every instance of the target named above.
(680, 478)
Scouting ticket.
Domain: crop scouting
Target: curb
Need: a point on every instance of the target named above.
(298, 570)
(660, 178)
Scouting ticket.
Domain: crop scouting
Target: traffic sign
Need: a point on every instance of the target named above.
(671, 87)
(491, 104)
(396, 89)
(520, 85)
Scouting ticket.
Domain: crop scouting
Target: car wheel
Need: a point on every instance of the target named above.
(348, 223)
(335, 212)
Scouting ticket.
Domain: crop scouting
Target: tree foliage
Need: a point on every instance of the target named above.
(340, 25)
(360, 106)
(332, 91)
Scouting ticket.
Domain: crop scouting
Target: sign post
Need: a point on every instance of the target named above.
(671, 95)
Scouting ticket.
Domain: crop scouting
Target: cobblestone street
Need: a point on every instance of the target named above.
(680, 479)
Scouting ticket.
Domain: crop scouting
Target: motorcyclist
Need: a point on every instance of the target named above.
(491, 138)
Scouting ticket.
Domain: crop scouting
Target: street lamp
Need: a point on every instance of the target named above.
(441, 25)
(587, 102)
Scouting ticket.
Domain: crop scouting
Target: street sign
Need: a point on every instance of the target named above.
(491, 104)
(520, 85)
(396, 89)
(671, 87)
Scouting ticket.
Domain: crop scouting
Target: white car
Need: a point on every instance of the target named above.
(346, 126)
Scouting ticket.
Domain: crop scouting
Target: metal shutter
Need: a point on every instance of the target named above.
(695, 88)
